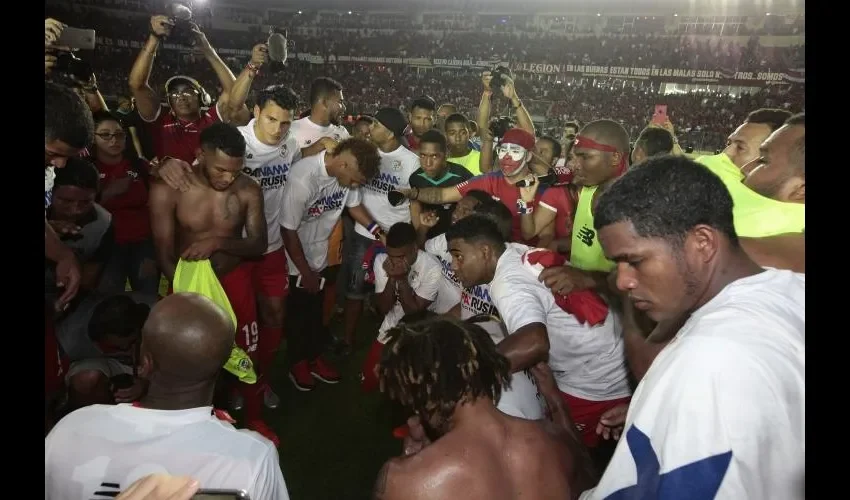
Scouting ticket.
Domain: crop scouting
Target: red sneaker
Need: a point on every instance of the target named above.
(300, 377)
(320, 369)
(265, 430)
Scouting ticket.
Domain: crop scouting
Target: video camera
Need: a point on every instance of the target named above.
(180, 13)
(70, 70)
(500, 125)
(499, 73)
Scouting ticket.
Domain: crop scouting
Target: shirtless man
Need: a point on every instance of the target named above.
(469, 445)
(207, 222)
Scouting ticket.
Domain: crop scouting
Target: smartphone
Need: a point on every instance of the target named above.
(77, 38)
(299, 285)
(660, 115)
(221, 495)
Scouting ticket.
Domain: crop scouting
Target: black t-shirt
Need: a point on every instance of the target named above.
(455, 174)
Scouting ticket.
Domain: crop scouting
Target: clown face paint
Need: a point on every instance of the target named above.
(512, 157)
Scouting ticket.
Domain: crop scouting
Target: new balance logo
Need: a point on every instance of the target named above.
(586, 235)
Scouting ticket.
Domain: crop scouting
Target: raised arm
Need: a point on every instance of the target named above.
(231, 105)
(147, 101)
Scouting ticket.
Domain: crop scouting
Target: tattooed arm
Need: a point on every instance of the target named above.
(254, 244)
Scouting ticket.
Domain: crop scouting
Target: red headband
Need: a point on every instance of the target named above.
(582, 141)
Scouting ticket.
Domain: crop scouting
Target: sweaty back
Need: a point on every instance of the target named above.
(188, 335)
(508, 459)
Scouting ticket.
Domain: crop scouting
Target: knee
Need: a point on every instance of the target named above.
(271, 311)
(89, 383)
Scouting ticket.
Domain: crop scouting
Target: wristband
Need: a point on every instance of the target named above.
(252, 68)
(524, 208)
(374, 229)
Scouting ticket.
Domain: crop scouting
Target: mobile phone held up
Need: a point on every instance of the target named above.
(659, 117)
(77, 38)
(221, 495)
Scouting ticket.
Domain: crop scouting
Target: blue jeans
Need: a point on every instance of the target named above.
(135, 262)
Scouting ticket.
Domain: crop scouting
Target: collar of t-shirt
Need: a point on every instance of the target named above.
(188, 416)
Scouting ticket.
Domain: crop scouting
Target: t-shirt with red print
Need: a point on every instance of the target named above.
(177, 138)
(495, 184)
(130, 216)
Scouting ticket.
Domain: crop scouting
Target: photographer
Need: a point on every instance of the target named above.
(176, 131)
(500, 79)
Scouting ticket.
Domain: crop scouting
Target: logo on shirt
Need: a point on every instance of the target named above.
(383, 183)
(249, 156)
(329, 203)
(449, 274)
(270, 177)
(284, 150)
(586, 235)
(396, 165)
(477, 300)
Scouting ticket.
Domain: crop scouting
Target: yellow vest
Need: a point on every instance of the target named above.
(755, 215)
(471, 162)
(586, 252)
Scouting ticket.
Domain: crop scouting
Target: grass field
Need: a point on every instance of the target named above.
(335, 438)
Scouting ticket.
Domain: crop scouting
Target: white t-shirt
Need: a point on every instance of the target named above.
(425, 277)
(269, 166)
(394, 173)
(312, 205)
(588, 361)
(306, 132)
(522, 399)
(722, 409)
(105, 448)
(439, 248)
(49, 177)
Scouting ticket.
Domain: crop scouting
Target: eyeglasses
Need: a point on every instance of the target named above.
(183, 93)
(108, 137)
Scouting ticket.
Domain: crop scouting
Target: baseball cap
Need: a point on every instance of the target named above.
(519, 137)
(393, 119)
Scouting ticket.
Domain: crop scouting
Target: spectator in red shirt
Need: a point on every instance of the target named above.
(176, 130)
(124, 193)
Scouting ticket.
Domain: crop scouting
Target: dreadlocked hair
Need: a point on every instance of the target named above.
(434, 365)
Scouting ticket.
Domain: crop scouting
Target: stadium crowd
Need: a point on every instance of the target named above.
(572, 302)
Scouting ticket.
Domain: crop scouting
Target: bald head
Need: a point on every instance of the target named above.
(609, 133)
(187, 337)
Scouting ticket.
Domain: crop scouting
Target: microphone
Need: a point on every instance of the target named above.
(277, 47)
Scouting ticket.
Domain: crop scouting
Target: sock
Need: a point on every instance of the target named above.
(269, 344)
(253, 396)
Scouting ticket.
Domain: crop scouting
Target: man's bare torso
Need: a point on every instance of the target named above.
(502, 458)
(202, 212)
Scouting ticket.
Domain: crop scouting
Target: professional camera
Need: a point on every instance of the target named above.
(499, 73)
(500, 125)
(180, 13)
(71, 70)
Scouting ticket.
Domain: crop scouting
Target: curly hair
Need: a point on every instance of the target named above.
(434, 365)
(365, 152)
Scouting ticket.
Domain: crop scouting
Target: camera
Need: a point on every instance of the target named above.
(180, 13)
(499, 73)
(499, 126)
(71, 70)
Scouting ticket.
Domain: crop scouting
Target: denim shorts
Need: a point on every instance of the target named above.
(355, 250)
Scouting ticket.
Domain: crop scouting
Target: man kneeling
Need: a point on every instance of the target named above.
(450, 375)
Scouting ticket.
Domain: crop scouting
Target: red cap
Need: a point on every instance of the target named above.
(519, 137)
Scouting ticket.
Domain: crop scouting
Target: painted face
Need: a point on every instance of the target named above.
(512, 157)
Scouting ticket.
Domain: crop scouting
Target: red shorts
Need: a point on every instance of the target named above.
(270, 274)
(238, 284)
(55, 364)
(368, 379)
(586, 415)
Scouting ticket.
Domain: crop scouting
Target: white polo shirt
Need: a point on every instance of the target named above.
(102, 449)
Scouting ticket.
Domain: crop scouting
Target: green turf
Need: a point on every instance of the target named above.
(335, 438)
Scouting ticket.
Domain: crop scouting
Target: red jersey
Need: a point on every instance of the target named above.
(130, 216)
(412, 142)
(177, 138)
(558, 200)
(495, 184)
